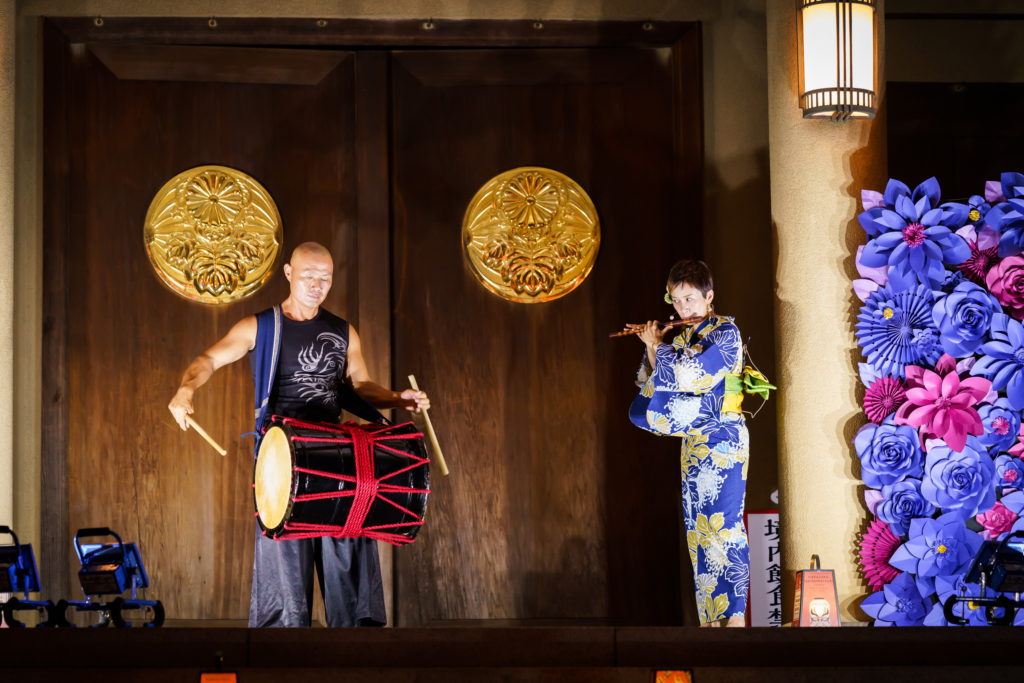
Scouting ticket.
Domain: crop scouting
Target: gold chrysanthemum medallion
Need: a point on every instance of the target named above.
(213, 234)
(530, 235)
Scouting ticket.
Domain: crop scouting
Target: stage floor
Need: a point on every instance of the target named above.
(528, 654)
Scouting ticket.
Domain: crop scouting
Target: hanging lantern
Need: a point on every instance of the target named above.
(837, 59)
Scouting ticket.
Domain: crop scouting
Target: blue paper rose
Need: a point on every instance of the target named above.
(888, 453)
(898, 604)
(937, 547)
(963, 318)
(1009, 472)
(1001, 424)
(961, 482)
(902, 502)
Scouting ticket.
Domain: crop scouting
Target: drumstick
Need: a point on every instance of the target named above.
(202, 432)
(430, 433)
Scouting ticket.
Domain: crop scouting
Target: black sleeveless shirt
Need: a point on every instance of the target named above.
(311, 368)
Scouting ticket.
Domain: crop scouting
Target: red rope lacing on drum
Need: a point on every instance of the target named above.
(368, 487)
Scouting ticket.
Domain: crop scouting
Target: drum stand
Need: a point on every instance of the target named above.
(110, 569)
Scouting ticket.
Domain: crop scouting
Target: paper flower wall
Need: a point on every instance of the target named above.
(942, 456)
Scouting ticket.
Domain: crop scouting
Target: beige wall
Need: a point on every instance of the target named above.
(818, 168)
(8, 475)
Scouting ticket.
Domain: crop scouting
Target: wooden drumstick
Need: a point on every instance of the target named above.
(202, 432)
(434, 445)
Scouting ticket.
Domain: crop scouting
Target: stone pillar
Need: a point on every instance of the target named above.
(8, 16)
(818, 168)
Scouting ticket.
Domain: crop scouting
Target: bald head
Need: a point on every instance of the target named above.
(311, 249)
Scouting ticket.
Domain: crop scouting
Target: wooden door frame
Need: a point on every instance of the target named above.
(373, 160)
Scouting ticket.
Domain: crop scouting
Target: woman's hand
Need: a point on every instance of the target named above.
(651, 333)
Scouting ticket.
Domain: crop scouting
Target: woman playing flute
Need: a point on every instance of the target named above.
(684, 393)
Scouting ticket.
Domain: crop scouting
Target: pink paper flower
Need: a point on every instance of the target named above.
(941, 405)
(984, 246)
(877, 545)
(1018, 448)
(1006, 281)
(996, 521)
(883, 397)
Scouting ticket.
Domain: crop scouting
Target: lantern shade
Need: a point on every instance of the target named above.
(837, 58)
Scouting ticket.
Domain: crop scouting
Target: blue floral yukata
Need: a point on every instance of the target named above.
(685, 395)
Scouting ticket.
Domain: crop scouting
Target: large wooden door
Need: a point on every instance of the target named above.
(557, 507)
(134, 119)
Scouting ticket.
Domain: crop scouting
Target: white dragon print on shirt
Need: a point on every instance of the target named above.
(323, 365)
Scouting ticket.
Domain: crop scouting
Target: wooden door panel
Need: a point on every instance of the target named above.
(129, 338)
(557, 507)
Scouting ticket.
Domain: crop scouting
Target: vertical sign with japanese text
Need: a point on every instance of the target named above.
(765, 604)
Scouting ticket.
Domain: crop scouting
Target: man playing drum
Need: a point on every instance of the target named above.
(304, 359)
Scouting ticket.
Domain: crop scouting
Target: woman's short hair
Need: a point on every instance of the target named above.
(693, 272)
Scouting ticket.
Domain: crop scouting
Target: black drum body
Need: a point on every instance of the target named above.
(342, 480)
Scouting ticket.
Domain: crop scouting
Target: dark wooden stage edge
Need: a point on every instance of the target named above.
(602, 654)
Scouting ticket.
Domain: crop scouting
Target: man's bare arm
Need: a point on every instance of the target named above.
(239, 340)
(373, 393)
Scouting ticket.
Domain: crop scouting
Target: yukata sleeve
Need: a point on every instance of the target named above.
(699, 368)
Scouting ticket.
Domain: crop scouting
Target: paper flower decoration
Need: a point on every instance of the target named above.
(888, 453)
(1001, 423)
(883, 397)
(895, 329)
(996, 521)
(912, 234)
(1002, 359)
(899, 603)
(1009, 472)
(1008, 215)
(901, 503)
(963, 318)
(984, 246)
(877, 545)
(942, 405)
(937, 547)
(960, 483)
(1006, 281)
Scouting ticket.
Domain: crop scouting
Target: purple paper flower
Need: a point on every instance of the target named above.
(898, 604)
(961, 483)
(1008, 216)
(883, 397)
(901, 503)
(1001, 423)
(1003, 359)
(977, 208)
(937, 547)
(963, 318)
(912, 234)
(1006, 281)
(895, 329)
(888, 453)
(1009, 472)
(942, 405)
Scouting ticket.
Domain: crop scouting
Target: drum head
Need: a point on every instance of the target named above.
(273, 478)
